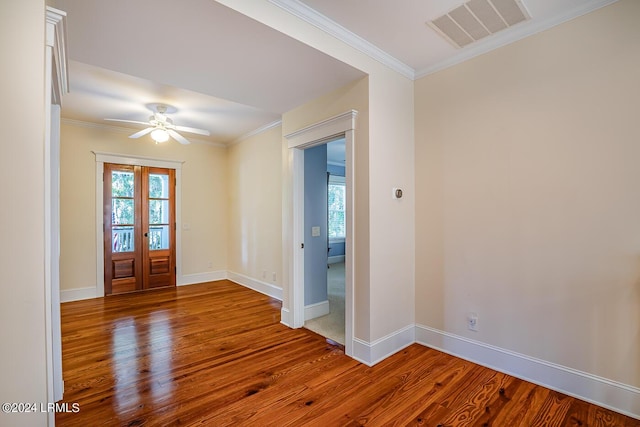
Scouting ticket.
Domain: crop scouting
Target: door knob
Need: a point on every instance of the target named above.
(146, 234)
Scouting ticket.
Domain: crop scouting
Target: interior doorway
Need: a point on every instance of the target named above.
(139, 228)
(293, 310)
(325, 211)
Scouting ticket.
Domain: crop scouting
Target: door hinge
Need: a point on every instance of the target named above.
(175, 270)
(301, 245)
(175, 227)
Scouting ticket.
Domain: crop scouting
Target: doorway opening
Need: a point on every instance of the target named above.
(325, 211)
(341, 126)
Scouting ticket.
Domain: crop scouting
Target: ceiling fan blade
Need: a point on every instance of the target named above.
(193, 130)
(128, 121)
(175, 135)
(143, 132)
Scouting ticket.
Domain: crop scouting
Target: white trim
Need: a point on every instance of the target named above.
(126, 130)
(518, 32)
(195, 278)
(55, 86)
(591, 388)
(285, 317)
(132, 159)
(380, 349)
(319, 133)
(57, 40)
(335, 259)
(337, 179)
(77, 294)
(257, 285)
(311, 16)
(256, 132)
(99, 229)
(293, 233)
(297, 283)
(129, 159)
(318, 309)
(334, 163)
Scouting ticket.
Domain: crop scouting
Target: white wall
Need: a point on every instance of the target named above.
(22, 298)
(528, 202)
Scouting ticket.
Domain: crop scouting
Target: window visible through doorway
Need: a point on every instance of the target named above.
(336, 206)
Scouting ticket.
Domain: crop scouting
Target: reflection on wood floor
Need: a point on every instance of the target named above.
(215, 354)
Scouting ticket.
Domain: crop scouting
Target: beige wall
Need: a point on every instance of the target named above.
(204, 195)
(392, 221)
(528, 204)
(255, 207)
(22, 296)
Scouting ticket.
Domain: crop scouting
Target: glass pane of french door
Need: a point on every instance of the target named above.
(122, 211)
(158, 211)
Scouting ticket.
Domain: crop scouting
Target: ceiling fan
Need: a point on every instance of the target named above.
(161, 127)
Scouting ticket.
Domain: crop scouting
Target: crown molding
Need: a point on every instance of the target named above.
(313, 17)
(256, 132)
(56, 38)
(125, 130)
(516, 33)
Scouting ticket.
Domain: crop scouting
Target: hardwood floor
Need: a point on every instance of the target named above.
(215, 354)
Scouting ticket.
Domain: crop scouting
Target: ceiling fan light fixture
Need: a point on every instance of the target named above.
(160, 135)
(161, 127)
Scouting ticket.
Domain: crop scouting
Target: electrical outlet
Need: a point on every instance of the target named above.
(472, 322)
(210, 264)
(264, 274)
(274, 276)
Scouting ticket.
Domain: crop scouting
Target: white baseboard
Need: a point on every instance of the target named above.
(257, 285)
(192, 279)
(372, 353)
(335, 259)
(68, 295)
(318, 309)
(285, 317)
(616, 396)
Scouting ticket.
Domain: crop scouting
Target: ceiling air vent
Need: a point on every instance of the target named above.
(477, 19)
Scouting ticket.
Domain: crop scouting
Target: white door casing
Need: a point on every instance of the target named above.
(56, 85)
(311, 136)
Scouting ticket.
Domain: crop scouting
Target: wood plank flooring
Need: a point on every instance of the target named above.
(215, 354)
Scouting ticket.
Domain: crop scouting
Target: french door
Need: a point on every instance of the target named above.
(139, 228)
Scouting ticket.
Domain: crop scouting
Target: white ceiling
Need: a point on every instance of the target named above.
(197, 56)
(398, 28)
(231, 75)
(97, 93)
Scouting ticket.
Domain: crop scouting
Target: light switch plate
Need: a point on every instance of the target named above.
(315, 231)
